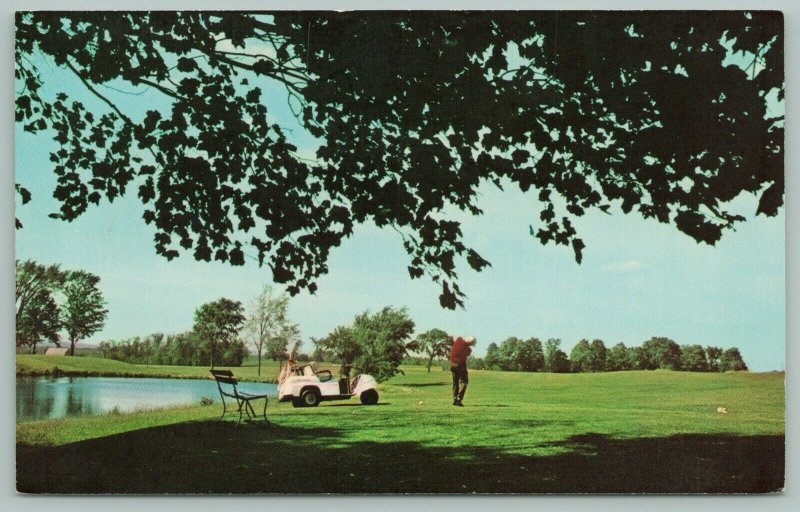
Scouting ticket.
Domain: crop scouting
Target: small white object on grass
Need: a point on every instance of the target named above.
(722, 410)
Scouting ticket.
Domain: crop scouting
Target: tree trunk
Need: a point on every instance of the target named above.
(212, 355)
(430, 362)
(33, 348)
(72, 347)
(259, 362)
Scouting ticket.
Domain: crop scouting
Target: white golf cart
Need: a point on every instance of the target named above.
(305, 386)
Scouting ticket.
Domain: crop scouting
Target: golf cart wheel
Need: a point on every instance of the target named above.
(369, 397)
(310, 398)
(296, 402)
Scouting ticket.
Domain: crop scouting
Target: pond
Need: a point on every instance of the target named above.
(51, 398)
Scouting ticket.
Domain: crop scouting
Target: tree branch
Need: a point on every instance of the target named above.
(249, 67)
(100, 96)
(165, 90)
(108, 102)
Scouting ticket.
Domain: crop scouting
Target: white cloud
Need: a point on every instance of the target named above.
(624, 266)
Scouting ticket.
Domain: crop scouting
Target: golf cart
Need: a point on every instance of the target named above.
(305, 386)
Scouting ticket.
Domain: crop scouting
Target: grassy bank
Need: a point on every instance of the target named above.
(528, 433)
(38, 365)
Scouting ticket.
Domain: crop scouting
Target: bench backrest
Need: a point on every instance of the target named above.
(224, 377)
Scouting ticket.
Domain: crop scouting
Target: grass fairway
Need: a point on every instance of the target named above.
(518, 433)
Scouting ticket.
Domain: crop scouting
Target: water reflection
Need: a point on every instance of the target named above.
(45, 397)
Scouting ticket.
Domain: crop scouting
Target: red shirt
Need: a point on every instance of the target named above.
(459, 352)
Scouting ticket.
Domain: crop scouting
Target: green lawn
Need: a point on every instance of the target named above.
(520, 433)
(28, 365)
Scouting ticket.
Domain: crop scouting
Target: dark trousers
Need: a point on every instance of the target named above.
(460, 381)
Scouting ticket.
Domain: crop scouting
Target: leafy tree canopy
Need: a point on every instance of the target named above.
(217, 324)
(383, 338)
(617, 358)
(341, 345)
(434, 343)
(731, 360)
(636, 111)
(39, 321)
(38, 317)
(712, 355)
(693, 358)
(84, 310)
(662, 353)
(268, 327)
(35, 283)
(556, 360)
(375, 343)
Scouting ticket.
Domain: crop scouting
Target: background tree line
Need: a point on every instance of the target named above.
(182, 349)
(379, 343)
(531, 355)
(50, 299)
(374, 343)
(222, 333)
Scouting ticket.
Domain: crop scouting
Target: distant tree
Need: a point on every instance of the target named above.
(580, 357)
(289, 336)
(84, 308)
(341, 343)
(662, 353)
(618, 358)
(555, 359)
(234, 353)
(596, 361)
(267, 325)
(530, 356)
(560, 362)
(434, 343)
(509, 354)
(731, 361)
(382, 338)
(476, 363)
(712, 355)
(218, 324)
(40, 321)
(104, 347)
(414, 112)
(492, 359)
(37, 312)
(321, 352)
(182, 349)
(693, 358)
(638, 359)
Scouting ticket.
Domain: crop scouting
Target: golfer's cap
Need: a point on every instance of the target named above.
(470, 340)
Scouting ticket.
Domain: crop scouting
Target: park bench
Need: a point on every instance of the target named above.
(228, 387)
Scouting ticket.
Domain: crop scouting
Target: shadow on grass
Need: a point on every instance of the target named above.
(221, 457)
(426, 384)
(356, 404)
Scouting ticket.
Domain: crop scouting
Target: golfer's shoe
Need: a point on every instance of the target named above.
(458, 403)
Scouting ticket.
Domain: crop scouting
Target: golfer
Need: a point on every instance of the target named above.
(458, 367)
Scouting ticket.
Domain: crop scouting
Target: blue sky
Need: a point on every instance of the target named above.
(638, 279)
